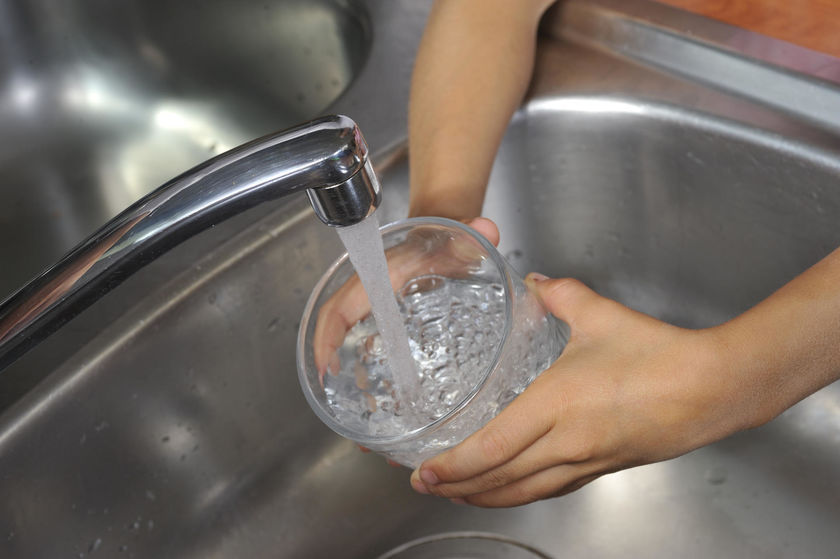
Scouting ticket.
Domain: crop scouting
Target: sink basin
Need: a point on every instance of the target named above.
(100, 103)
(167, 421)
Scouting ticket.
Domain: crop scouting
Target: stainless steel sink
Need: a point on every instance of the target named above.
(101, 102)
(678, 165)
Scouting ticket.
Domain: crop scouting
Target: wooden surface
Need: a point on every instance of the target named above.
(814, 24)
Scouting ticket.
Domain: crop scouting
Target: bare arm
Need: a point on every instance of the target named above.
(472, 70)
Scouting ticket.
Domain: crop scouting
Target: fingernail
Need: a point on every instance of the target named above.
(428, 477)
(536, 276)
(419, 486)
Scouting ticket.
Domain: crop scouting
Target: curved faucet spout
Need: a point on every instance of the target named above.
(327, 157)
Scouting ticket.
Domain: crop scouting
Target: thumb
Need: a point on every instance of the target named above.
(566, 298)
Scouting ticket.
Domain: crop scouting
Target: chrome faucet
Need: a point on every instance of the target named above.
(327, 157)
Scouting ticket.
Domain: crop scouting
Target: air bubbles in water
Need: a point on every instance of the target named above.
(449, 323)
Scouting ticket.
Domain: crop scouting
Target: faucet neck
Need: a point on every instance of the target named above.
(327, 157)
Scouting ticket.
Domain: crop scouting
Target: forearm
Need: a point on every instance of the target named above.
(472, 70)
(788, 346)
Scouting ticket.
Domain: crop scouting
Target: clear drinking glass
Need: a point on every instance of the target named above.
(478, 337)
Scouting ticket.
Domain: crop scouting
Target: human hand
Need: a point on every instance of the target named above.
(350, 304)
(628, 390)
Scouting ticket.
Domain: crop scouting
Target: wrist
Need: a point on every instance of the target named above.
(756, 369)
(460, 203)
(713, 399)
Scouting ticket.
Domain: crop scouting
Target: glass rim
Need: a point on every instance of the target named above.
(380, 441)
(465, 535)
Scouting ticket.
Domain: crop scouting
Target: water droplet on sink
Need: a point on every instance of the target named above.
(272, 326)
(95, 545)
(716, 475)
